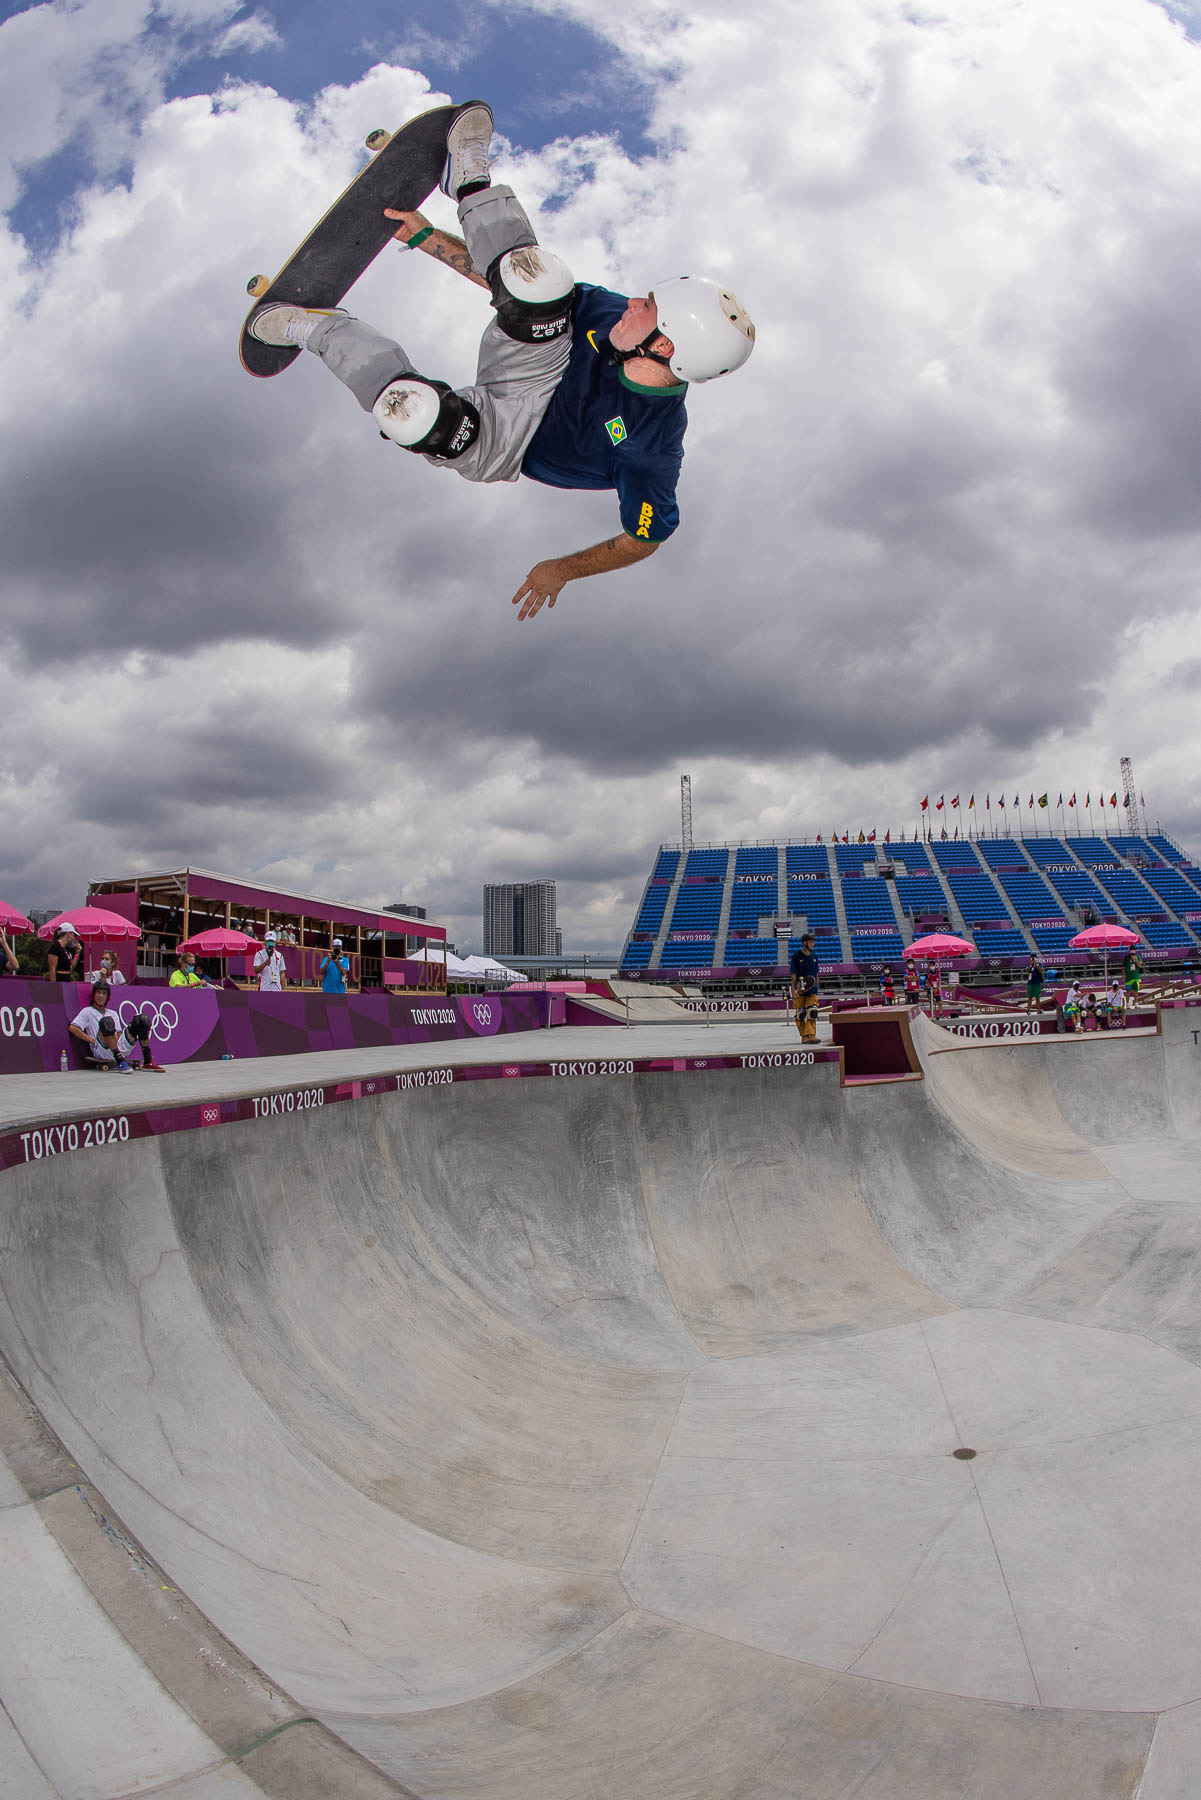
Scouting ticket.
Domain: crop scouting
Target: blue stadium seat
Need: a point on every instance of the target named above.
(1131, 892)
(761, 951)
(804, 859)
(954, 853)
(756, 859)
(707, 862)
(880, 947)
(751, 898)
(1000, 943)
(650, 913)
(1002, 852)
(1168, 934)
(976, 895)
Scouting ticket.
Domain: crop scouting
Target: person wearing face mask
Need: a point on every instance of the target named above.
(107, 970)
(185, 974)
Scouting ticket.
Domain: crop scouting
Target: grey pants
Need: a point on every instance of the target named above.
(513, 383)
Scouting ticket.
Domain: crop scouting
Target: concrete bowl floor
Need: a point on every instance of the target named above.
(677, 1436)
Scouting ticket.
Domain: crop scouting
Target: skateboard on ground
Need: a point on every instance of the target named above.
(403, 171)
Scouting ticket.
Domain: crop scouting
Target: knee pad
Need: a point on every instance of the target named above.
(533, 292)
(427, 417)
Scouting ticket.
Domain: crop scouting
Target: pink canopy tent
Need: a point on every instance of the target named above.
(220, 942)
(1105, 937)
(93, 925)
(12, 920)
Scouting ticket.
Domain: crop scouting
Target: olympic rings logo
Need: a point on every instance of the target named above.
(482, 1010)
(163, 1018)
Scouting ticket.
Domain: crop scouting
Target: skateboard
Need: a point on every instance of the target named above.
(404, 170)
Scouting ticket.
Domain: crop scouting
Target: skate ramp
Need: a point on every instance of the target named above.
(584, 1439)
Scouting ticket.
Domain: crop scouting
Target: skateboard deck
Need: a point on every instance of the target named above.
(403, 172)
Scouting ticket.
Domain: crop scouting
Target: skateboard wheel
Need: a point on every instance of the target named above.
(375, 140)
(258, 284)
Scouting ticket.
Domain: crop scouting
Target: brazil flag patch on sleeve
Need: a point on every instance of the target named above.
(616, 429)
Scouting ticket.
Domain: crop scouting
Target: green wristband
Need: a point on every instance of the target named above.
(419, 237)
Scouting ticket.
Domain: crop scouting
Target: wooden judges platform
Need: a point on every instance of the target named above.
(385, 949)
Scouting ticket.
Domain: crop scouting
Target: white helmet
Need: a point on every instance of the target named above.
(709, 327)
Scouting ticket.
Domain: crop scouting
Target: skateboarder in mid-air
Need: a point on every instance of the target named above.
(576, 387)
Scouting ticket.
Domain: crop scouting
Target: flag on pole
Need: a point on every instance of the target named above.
(819, 837)
(1017, 800)
(1072, 801)
(1001, 803)
(871, 836)
(887, 837)
(971, 805)
(1113, 799)
(988, 803)
(1059, 802)
(1030, 804)
(926, 804)
(1088, 798)
(1043, 801)
(954, 802)
(862, 839)
(939, 807)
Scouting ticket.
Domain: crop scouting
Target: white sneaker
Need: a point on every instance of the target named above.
(467, 144)
(284, 325)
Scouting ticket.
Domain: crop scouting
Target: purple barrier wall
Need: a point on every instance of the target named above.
(202, 1024)
(86, 1134)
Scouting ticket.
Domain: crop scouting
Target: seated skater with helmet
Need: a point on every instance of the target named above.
(107, 1044)
(576, 387)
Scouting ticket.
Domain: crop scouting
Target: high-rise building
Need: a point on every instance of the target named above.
(519, 919)
(405, 910)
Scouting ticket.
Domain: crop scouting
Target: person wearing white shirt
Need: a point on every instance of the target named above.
(95, 1028)
(270, 967)
(108, 970)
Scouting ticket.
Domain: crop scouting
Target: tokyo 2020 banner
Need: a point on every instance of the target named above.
(203, 1024)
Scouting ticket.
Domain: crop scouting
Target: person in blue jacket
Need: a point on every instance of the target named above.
(576, 387)
(335, 967)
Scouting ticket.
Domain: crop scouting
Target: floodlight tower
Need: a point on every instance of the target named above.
(686, 811)
(1129, 795)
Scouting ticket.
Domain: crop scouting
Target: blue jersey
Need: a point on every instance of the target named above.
(602, 430)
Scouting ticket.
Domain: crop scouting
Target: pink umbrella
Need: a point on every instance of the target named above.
(12, 920)
(1105, 937)
(220, 942)
(939, 943)
(92, 923)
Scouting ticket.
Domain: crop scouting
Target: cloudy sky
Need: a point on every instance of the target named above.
(943, 532)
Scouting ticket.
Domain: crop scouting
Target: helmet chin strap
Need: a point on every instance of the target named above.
(643, 350)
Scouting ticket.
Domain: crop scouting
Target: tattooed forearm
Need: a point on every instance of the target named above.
(452, 251)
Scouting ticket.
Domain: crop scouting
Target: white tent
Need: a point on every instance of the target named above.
(486, 968)
(456, 968)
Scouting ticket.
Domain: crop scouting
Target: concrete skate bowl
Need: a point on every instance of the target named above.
(597, 1439)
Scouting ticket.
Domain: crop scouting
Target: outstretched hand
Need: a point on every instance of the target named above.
(541, 587)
